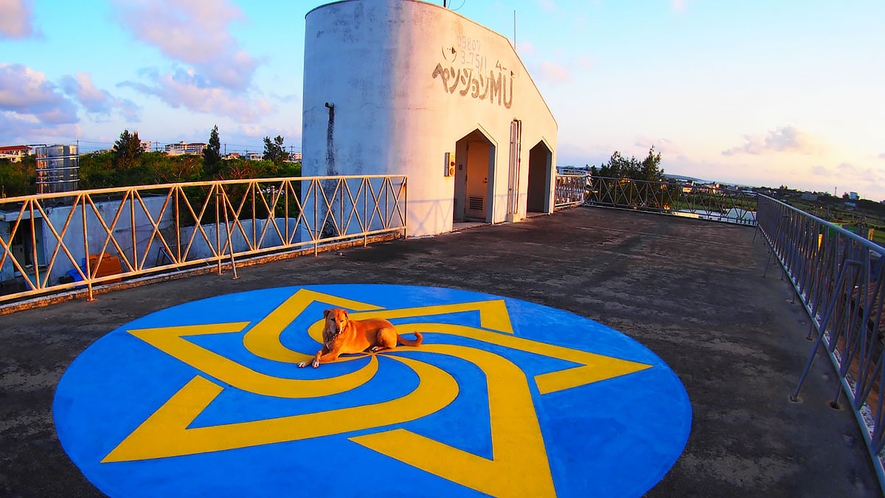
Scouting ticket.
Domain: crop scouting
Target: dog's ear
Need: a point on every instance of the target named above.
(326, 313)
(345, 315)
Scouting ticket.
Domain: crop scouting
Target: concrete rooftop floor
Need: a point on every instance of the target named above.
(689, 290)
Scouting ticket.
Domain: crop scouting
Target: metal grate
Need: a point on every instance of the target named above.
(475, 203)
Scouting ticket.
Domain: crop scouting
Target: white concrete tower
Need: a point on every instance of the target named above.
(408, 87)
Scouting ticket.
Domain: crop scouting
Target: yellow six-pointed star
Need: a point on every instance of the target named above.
(519, 466)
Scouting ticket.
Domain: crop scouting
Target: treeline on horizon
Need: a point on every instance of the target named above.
(650, 169)
(128, 165)
(619, 166)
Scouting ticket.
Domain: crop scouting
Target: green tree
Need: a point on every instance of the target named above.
(650, 168)
(616, 167)
(18, 178)
(212, 153)
(116, 169)
(97, 170)
(127, 151)
(173, 169)
(287, 170)
(239, 169)
(619, 166)
(273, 150)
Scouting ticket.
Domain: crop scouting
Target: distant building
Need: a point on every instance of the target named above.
(852, 196)
(808, 196)
(254, 156)
(295, 156)
(14, 153)
(146, 146)
(185, 148)
(572, 170)
(702, 188)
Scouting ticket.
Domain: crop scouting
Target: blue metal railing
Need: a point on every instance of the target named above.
(839, 277)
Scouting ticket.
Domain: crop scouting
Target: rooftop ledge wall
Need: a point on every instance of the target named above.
(391, 86)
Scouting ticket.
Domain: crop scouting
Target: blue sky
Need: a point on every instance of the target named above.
(753, 92)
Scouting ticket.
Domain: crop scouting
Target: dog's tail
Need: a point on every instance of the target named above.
(410, 342)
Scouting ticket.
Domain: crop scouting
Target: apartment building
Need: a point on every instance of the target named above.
(185, 148)
(15, 153)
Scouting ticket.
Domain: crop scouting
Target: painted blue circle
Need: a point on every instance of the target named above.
(613, 437)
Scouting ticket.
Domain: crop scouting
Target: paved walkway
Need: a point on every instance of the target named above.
(689, 291)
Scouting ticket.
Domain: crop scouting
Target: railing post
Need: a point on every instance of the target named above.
(218, 254)
(825, 322)
(230, 244)
(89, 296)
(36, 283)
(772, 242)
(132, 225)
(367, 183)
(178, 191)
(316, 229)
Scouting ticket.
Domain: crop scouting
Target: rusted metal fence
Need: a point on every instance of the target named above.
(674, 198)
(840, 280)
(65, 241)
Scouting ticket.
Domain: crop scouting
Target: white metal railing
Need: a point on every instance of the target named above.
(674, 198)
(665, 197)
(570, 190)
(76, 240)
(839, 277)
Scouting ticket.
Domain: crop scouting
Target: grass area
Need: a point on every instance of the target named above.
(857, 217)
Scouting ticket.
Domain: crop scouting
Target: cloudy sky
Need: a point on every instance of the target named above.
(756, 92)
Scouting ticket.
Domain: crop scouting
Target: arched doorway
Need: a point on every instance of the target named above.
(540, 168)
(474, 177)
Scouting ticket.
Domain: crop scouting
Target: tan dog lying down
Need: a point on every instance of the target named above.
(341, 335)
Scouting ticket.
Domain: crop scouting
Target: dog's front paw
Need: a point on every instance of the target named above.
(316, 363)
(302, 364)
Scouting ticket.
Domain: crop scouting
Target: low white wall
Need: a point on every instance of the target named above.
(200, 248)
(97, 234)
(123, 234)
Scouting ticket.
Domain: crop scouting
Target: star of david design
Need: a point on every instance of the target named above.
(519, 466)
